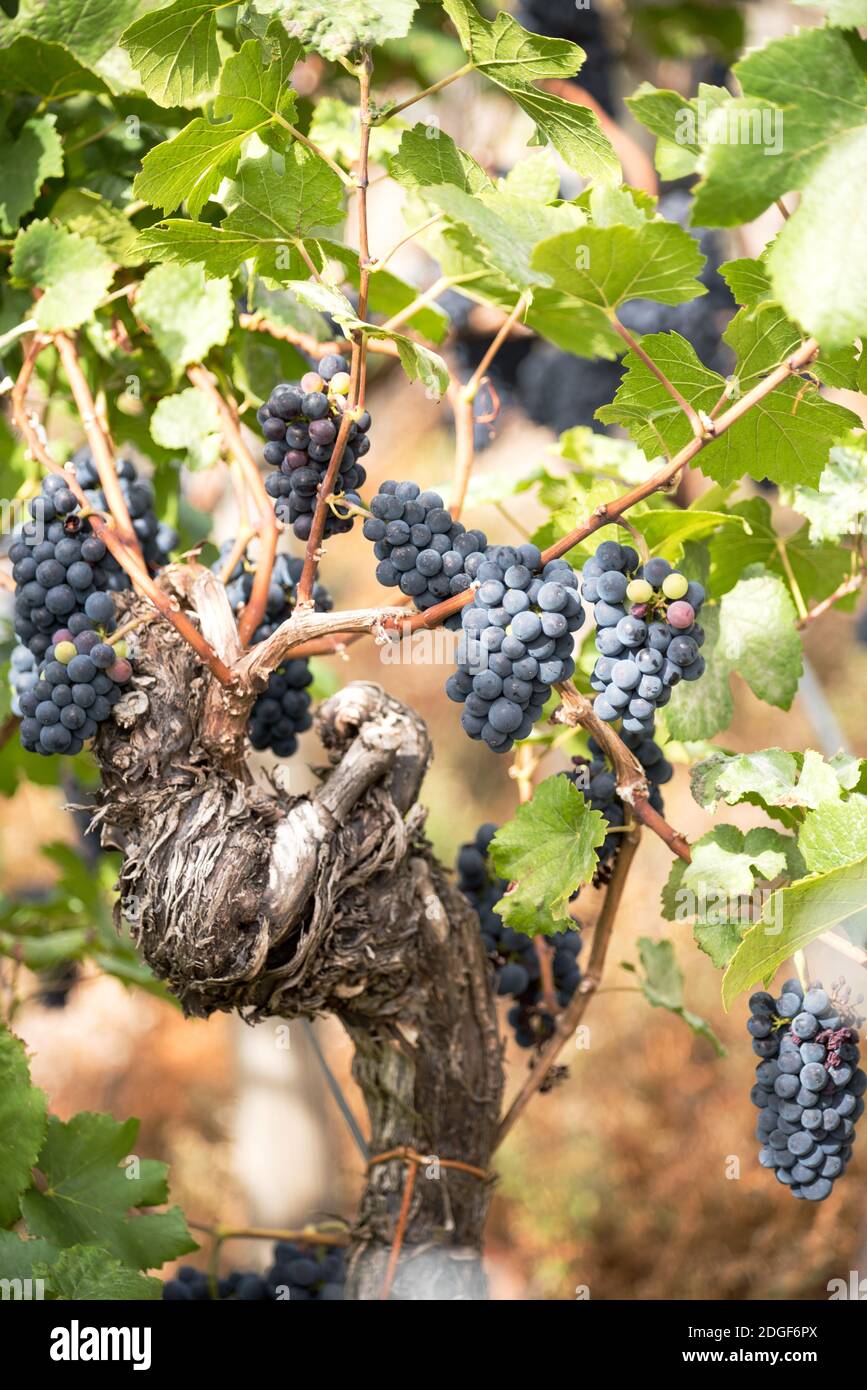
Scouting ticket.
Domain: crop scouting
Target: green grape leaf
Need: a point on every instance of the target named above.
(718, 940)
(27, 161)
(573, 130)
(514, 58)
(804, 102)
(792, 918)
(174, 50)
(483, 214)
(508, 54)
(275, 210)
(608, 266)
(427, 156)
(335, 30)
(834, 834)
(845, 14)
(700, 709)
(818, 569)
(773, 779)
(45, 70)
(661, 981)
(790, 430)
(20, 1258)
(216, 250)
(188, 421)
(88, 30)
(85, 1272)
(748, 281)
(253, 95)
(546, 852)
(759, 639)
(89, 215)
(666, 530)
(838, 507)
(726, 863)
(536, 178)
(88, 1194)
(186, 313)
(72, 272)
(676, 122)
(22, 1126)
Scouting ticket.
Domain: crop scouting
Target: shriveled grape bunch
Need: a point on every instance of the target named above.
(515, 956)
(300, 421)
(517, 643)
(809, 1088)
(282, 711)
(646, 633)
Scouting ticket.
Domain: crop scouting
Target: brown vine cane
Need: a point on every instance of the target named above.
(414, 1161)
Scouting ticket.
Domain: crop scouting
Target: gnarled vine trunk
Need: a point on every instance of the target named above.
(241, 898)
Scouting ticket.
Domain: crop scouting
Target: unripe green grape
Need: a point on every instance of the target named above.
(339, 383)
(639, 591)
(64, 652)
(675, 585)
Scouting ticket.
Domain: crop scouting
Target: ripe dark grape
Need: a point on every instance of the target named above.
(809, 1090)
(71, 697)
(299, 1274)
(63, 572)
(507, 661)
(646, 633)
(282, 711)
(514, 955)
(420, 548)
(300, 421)
(595, 778)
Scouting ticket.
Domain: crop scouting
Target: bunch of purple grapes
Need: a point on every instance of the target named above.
(300, 421)
(517, 642)
(513, 954)
(299, 1274)
(809, 1088)
(646, 633)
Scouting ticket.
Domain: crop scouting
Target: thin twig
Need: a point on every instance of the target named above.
(475, 381)
(359, 353)
(309, 145)
(689, 411)
(849, 586)
(268, 530)
(334, 1087)
(101, 528)
(306, 1235)
(569, 1020)
(388, 111)
(379, 262)
(465, 449)
(98, 442)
